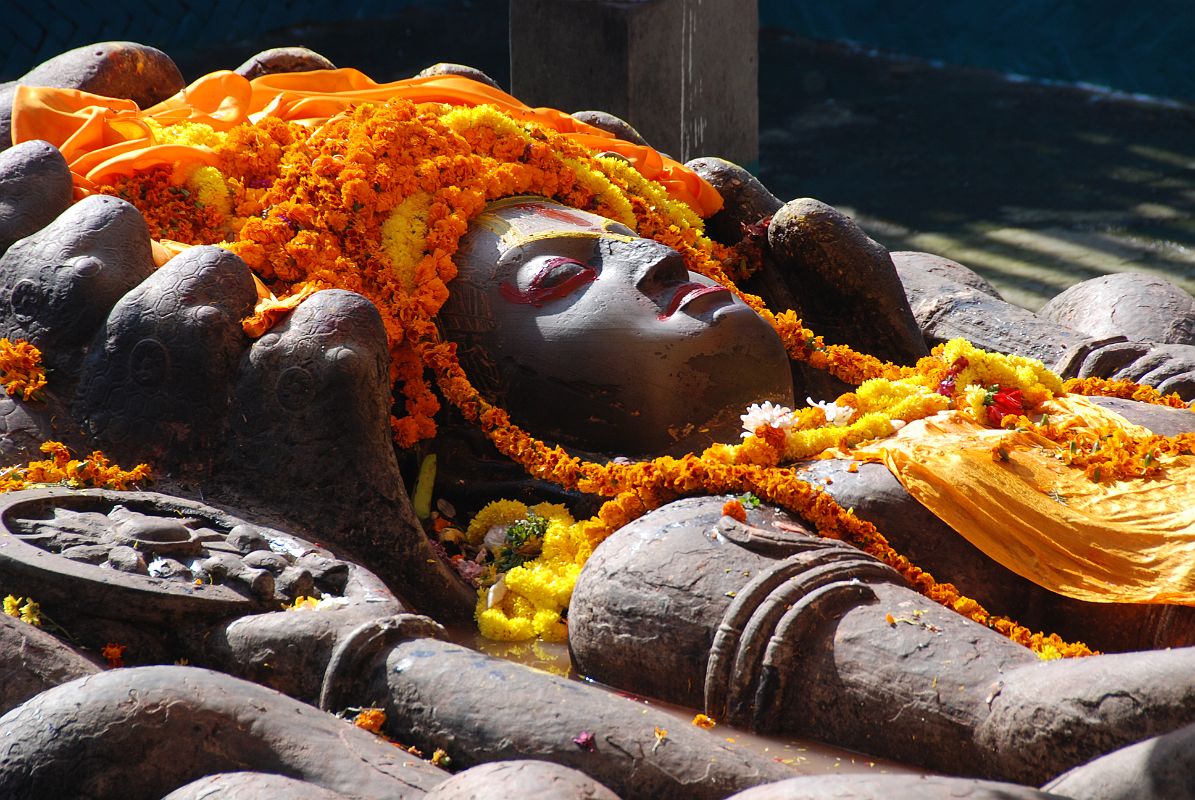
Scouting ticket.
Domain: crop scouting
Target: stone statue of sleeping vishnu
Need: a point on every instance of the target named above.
(586, 334)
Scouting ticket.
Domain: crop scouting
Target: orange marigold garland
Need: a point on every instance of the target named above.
(1128, 390)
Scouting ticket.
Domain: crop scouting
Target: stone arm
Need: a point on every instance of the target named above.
(848, 288)
(773, 628)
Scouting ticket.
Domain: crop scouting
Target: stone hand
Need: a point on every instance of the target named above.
(1166, 367)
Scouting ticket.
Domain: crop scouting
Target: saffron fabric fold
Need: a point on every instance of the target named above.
(1128, 541)
(104, 137)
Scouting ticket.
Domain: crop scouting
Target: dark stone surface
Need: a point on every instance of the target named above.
(907, 261)
(1155, 769)
(445, 68)
(833, 270)
(316, 388)
(39, 524)
(310, 438)
(228, 618)
(58, 284)
(167, 356)
(252, 786)
(889, 787)
(310, 434)
(479, 708)
(34, 661)
(821, 653)
(1166, 367)
(617, 634)
(127, 70)
(35, 187)
(23, 429)
(1161, 420)
(1050, 716)
(611, 124)
(283, 59)
(520, 780)
(650, 359)
(946, 309)
(745, 200)
(182, 723)
(1142, 308)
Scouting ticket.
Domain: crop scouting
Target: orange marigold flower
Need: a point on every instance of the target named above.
(114, 654)
(734, 509)
(370, 719)
(21, 370)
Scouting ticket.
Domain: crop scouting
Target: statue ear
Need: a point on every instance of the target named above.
(468, 319)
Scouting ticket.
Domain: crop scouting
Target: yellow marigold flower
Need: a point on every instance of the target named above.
(499, 512)
(1048, 652)
(404, 236)
(211, 189)
(965, 606)
(12, 606)
(617, 207)
(304, 603)
(702, 721)
(31, 613)
(494, 623)
(186, 133)
(440, 758)
(462, 118)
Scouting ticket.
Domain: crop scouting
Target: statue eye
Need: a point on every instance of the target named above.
(559, 270)
(557, 278)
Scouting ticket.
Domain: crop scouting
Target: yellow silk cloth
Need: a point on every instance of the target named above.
(103, 137)
(1129, 541)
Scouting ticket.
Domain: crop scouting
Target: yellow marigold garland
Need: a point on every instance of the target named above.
(532, 595)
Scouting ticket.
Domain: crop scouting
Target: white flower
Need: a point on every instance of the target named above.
(766, 413)
(495, 537)
(497, 592)
(835, 414)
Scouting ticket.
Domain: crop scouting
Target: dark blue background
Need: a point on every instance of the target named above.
(1135, 47)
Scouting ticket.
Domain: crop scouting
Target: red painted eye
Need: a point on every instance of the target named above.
(558, 278)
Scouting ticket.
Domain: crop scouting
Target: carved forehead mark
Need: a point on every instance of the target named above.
(519, 222)
(529, 238)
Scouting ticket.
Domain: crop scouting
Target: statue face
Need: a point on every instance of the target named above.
(592, 336)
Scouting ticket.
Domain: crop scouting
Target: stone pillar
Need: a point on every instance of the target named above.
(683, 72)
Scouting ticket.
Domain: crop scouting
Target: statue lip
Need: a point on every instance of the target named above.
(686, 293)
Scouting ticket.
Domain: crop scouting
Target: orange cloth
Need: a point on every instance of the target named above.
(102, 137)
(269, 310)
(1118, 541)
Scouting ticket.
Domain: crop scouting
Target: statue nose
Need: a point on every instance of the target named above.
(659, 265)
